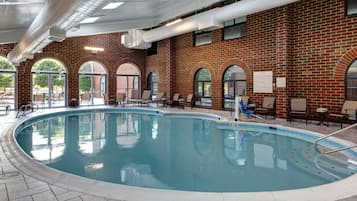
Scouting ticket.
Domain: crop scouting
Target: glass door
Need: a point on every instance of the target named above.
(127, 83)
(48, 89)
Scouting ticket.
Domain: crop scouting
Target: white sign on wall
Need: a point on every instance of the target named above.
(280, 82)
(263, 82)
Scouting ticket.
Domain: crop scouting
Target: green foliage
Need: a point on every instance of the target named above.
(48, 65)
(85, 83)
(6, 80)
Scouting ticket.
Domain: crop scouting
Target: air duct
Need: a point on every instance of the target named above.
(208, 20)
(51, 24)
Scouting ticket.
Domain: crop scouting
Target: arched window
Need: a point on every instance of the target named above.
(152, 84)
(203, 88)
(7, 83)
(92, 83)
(49, 78)
(351, 82)
(234, 84)
(128, 80)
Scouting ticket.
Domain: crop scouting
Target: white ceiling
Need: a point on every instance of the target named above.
(15, 19)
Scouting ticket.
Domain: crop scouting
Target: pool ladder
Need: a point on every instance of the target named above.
(332, 134)
(23, 110)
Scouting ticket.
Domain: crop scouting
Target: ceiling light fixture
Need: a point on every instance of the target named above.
(89, 20)
(94, 49)
(112, 5)
(14, 3)
(173, 22)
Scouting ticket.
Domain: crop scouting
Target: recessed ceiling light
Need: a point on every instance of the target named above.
(112, 5)
(89, 20)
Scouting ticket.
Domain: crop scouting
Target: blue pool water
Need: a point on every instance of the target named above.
(178, 152)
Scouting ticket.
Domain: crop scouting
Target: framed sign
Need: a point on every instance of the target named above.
(263, 82)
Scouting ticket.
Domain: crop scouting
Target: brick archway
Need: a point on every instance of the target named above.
(220, 75)
(239, 63)
(344, 63)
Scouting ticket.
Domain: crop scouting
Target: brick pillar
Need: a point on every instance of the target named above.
(283, 57)
(24, 84)
(166, 66)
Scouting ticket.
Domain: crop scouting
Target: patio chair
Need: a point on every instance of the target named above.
(189, 101)
(108, 100)
(145, 98)
(39, 99)
(175, 100)
(348, 112)
(298, 109)
(244, 109)
(245, 100)
(268, 107)
(85, 97)
(160, 98)
(120, 99)
(134, 96)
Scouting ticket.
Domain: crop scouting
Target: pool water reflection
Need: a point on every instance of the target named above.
(177, 153)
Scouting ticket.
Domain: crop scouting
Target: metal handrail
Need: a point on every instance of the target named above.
(332, 134)
(22, 110)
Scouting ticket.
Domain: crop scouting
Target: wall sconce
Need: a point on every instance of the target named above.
(94, 50)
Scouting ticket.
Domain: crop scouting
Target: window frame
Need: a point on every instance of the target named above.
(233, 25)
(202, 83)
(346, 11)
(201, 32)
(346, 81)
(150, 83)
(235, 85)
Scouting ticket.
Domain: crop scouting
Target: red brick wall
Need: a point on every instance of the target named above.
(322, 38)
(163, 64)
(72, 54)
(310, 42)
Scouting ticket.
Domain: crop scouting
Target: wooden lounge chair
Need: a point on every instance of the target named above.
(268, 107)
(348, 112)
(298, 109)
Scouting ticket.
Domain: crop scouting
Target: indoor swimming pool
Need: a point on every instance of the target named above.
(189, 152)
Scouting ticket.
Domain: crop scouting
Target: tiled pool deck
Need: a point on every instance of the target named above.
(15, 185)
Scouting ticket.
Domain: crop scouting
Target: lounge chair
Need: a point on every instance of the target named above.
(145, 98)
(244, 109)
(134, 96)
(245, 100)
(120, 99)
(175, 100)
(189, 101)
(268, 107)
(348, 112)
(160, 98)
(298, 109)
